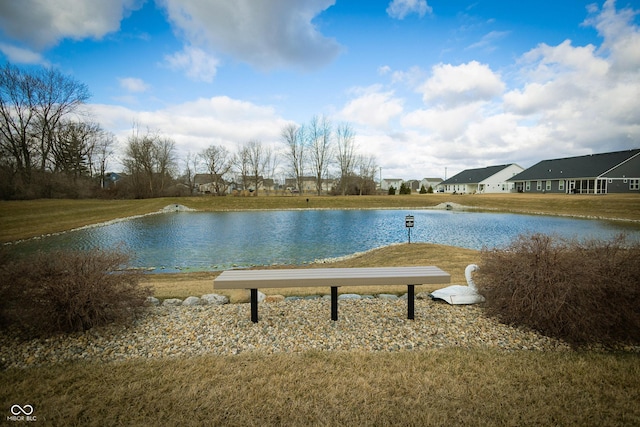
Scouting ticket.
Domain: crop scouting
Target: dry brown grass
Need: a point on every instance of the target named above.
(437, 387)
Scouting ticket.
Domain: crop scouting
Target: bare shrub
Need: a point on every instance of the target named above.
(582, 292)
(64, 291)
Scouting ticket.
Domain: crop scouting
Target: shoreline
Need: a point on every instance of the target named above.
(441, 206)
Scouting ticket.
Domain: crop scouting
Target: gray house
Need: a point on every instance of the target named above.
(615, 172)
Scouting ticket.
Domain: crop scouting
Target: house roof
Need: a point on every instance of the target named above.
(590, 166)
(474, 176)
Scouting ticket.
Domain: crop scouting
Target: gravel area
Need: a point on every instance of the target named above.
(286, 326)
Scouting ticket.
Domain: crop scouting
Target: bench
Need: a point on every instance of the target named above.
(332, 277)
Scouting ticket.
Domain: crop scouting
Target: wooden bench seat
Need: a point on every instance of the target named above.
(332, 277)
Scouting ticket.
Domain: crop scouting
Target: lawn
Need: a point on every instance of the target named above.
(453, 386)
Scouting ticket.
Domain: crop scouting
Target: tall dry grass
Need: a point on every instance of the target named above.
(437, 387)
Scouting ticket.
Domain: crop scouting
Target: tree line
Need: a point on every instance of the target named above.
(48, 144)
(50, 147)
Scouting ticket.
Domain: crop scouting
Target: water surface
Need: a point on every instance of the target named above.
(196, 241)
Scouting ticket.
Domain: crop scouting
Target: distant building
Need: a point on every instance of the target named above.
(430, 182)
(386, 183)
(615, 172)
(491, 179)
(308, 185)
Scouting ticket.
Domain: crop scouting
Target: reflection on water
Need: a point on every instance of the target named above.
(213, 241)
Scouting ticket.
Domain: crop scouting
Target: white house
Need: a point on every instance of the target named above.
(492, 179)
(391, 182)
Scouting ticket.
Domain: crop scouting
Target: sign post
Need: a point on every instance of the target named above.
(408, 222)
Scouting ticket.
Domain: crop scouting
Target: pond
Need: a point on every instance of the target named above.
(207, 241)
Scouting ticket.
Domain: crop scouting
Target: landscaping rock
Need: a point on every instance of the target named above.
(172, 302)
(349, 296)
(389, 297)
(191, 301)
(153, 301)
(214, 299)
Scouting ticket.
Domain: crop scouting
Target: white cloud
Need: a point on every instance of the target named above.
(447, 123)
(267, 35)
(132, 84)
(20, 55)
(43, 23)
(561, 100)
(383, 70)
(399, 9)
(372, 107)
(621, 36)
(196, 63)
(488, 41)
(197, 124)
(454, 85)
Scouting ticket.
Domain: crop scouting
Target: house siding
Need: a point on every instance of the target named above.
(615, 172)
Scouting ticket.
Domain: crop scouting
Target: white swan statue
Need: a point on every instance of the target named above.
(457, 294)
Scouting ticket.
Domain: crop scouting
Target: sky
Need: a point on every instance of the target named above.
(430, 87)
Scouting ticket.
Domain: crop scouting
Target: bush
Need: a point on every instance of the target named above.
(52, 292)
(582, 292)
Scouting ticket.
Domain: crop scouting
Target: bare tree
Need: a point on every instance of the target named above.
(295, 141)
(56, 96)
(259, 159)
(17, 112)
(150, 160)
(319, 135)
(190, 168)
(103, 152)
(33, 104)
(164, 152)
(242, 164)
(345, 154)
(218, 162)
(367, 167)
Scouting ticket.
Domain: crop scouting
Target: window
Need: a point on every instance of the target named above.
(528, 185)
(538, 185)
(561, 185)
(634, 184)
(548, 186)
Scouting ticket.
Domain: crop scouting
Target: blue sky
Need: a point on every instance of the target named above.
(426, 85)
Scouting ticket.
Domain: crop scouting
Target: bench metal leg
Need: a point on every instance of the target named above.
(410, 301)
(254, 305)
(334, 303)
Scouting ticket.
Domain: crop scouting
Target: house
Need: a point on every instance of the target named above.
(615, 172)
(111, 179)
(413, 185)
(430, 182)
(308, 184)
(206, 183)
(387, 183)
(491, 179)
